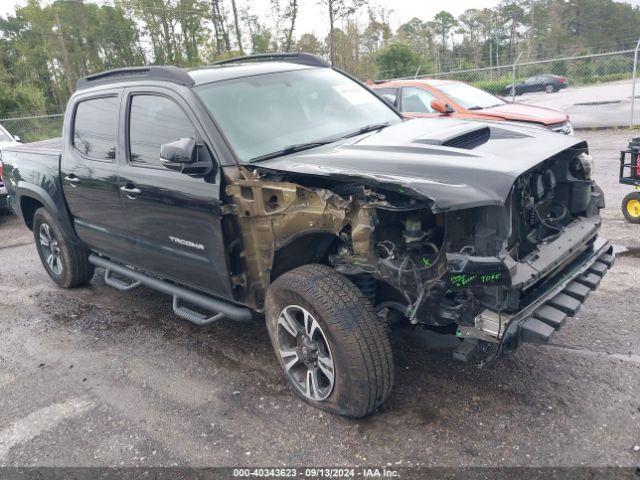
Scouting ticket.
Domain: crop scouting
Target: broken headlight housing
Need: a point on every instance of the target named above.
(582, 166)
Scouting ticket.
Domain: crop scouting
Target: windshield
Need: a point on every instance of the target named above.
(469, 97)
(264, 114)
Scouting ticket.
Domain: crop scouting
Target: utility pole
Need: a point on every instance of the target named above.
(633, 85)
(65, 56)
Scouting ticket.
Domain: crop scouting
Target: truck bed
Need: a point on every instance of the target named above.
(52, 146)
(32, 170)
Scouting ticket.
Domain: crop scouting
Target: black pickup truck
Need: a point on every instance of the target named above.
(278, 188)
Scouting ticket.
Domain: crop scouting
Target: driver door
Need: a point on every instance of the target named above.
(173, 218)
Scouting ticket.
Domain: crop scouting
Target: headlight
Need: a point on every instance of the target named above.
(582, 166)
(567, 129)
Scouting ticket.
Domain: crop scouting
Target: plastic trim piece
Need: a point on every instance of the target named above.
(297, 58)
(167, 73)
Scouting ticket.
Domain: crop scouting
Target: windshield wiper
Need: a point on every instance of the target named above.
(475, 108)
(298, 147)
(367, 129)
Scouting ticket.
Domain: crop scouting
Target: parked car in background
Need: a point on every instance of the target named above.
(429, 98)
(6, 140)
(538, 83)
(3, 191)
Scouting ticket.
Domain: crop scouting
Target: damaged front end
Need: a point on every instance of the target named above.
(486, 274)
(372, 236)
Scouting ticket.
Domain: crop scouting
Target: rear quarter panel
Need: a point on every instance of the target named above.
(33, 174)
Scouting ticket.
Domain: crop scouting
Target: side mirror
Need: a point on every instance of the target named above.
(180, 150)
(187, 156)
(16, 138)
(441, 106)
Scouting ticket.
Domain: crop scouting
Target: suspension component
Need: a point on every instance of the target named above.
(367, 285)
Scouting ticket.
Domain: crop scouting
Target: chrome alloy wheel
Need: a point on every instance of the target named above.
(305, 353)
(50, 249)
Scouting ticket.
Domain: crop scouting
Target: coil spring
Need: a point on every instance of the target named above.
(367, 285)
(533, 218)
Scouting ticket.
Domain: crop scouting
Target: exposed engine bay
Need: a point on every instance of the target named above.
(463, 270)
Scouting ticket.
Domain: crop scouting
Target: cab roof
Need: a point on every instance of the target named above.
(223, 70)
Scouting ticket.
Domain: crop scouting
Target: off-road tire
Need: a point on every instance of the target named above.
(357, 338)
(631, 214)
(74, 259)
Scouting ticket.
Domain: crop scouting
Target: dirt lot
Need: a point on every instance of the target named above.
(98, 377)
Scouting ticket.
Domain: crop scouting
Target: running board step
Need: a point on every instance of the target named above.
(535, 331)
(565, 303)
(110, 280)
(608, 259)
(468, 349)
(551, 316)
(591, 280)
(578, 291)
(599, 268)
(219, 308)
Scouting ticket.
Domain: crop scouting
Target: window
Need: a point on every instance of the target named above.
(95, 128)
(469, 97)
(389, 94)
(263, 114)
(417, 100)
(154, 121)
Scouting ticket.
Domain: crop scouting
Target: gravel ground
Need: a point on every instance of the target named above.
(98, 377)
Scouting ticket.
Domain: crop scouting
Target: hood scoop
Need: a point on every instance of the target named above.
(498, 133)
(460, 135)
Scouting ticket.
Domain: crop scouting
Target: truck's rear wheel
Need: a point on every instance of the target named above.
(335, 352)
(631, 207)
(66, 263)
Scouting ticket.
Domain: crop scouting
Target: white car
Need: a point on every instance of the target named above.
(6, 140)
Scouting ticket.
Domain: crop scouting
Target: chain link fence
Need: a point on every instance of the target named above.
(34, 127)
(596, 89)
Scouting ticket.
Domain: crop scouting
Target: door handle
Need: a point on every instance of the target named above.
(130, 191)
(72, 179)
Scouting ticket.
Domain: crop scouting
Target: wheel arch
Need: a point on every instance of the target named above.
(28, 207)
(30, 197)
(308, 248)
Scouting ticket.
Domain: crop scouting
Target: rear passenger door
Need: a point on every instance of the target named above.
(175, 218)
(89, 171)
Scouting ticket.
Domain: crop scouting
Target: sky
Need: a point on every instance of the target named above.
(311, 12)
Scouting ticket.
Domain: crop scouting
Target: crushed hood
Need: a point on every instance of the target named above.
(409, 157)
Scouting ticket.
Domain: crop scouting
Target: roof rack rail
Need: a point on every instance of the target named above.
(299, 58)
(167, 73)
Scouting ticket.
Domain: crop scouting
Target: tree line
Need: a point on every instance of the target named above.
(46, 47)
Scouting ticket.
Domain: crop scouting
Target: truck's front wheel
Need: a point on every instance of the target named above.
(334, 351)
(66, 263)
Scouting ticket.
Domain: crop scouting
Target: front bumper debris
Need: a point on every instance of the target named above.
(548, 312)
(547, 309)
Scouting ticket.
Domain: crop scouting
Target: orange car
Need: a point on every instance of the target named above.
(428, 98)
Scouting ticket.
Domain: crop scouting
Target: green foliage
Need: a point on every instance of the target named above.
(493, 86)
(397, 60)
(45, 46)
